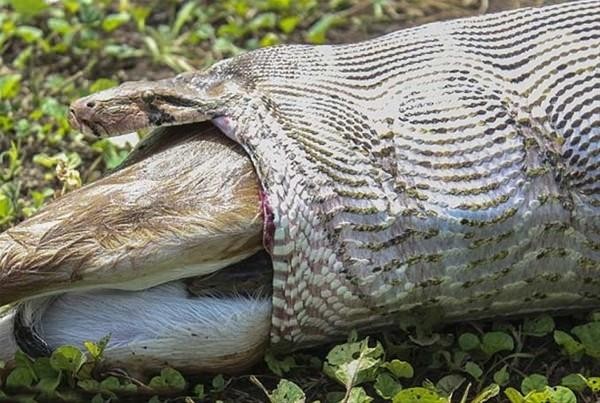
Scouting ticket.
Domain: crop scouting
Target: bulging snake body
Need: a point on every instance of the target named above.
(449, 168)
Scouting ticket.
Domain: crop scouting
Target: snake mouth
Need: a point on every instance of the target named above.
(185, 204)
(138, 105)
(87, 126)
(88, 118)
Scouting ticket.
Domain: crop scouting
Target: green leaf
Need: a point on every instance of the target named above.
(183, 15)
(539, 326)
(102, 84)
(473, 369)
(39, 198)
(22, 60)
(263, 21)
(6, 207)
(226, 47)
(231, 31)
(287, 392)
(122, 51)
(486, 394)
(468, 341)
(111, 383)
(49, 384)
(67, 358)
(574, 382)
(97, 398)
(20, 377)
(89, 13)
(386, 386)
(53, 108)
(170, 380)
(116, 385)
(10, 85)
(593, 383)
(43, 369)
(317, 34)
(280, 5)
(96, 350)
(400, 369)
(140, 14)
(419, 395)
(218, 384)
(358, 395)
(29, 8)
(558, 394)
(561, 394)
(270, 39)
(280, 366)
(589, 335)
(353, 363)
(534, 382)
(493, 342)
(199, 391)
(114, 21)
(450, 383)
(289, 24)
(570, 346)
(501, 377)
(23, 361)
(513, 395)
(89, 385)
(112, 155)
(59, 25)
(29, 34)
(72, 6)
(335, 397)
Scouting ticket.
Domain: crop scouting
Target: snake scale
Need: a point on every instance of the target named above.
(446, 169)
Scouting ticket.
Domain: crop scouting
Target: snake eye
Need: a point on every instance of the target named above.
(148, 96)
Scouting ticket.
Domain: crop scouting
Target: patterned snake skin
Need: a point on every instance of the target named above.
(450, 169)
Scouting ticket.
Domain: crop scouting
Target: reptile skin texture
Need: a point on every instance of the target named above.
(450, 169)
(446, 171)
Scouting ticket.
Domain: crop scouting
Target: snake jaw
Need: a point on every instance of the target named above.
(99, 116)
(131, 106)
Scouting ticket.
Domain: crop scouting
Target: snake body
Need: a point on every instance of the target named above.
(446, 169)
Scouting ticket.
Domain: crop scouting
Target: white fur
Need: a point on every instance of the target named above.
(152, 328)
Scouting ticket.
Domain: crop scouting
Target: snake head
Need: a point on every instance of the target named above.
(186, 98)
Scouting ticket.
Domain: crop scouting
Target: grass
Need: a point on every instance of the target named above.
(54, 53)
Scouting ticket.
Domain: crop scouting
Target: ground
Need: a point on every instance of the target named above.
(52, 52)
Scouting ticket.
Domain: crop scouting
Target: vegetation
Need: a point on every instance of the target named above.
(54, 52)
(529, 361)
